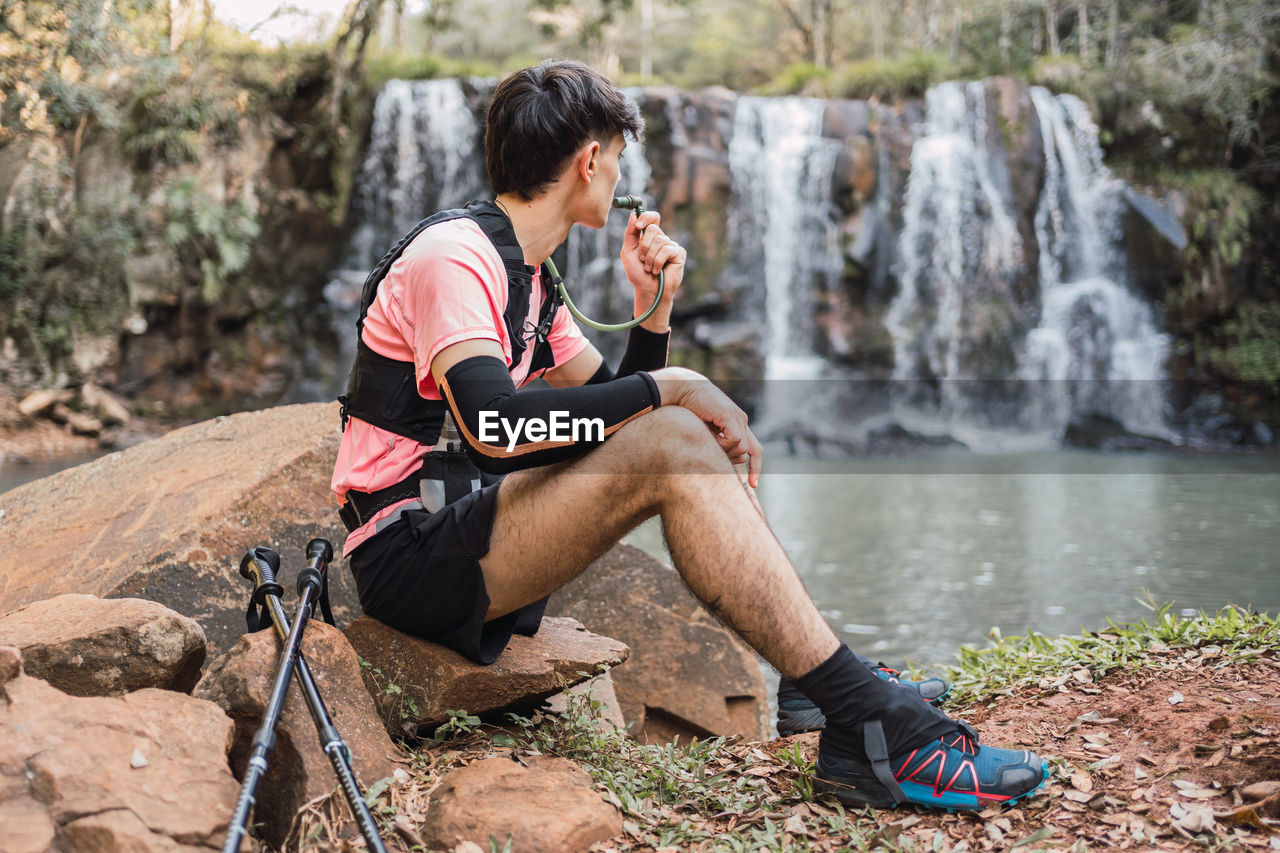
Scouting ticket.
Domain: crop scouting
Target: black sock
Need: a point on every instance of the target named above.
(789, 693)
(849, 694)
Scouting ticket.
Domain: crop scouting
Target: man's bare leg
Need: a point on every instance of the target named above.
(552, 523)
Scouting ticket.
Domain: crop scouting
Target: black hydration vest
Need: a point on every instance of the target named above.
(384, 392)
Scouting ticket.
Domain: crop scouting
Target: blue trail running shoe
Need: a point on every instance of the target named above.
(796, 714)
(953, 773)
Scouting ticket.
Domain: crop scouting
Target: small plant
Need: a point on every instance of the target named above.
(459, 723)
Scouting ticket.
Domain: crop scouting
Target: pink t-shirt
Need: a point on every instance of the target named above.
(449, 286)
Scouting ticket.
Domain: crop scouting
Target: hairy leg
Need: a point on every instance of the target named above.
(553, 522)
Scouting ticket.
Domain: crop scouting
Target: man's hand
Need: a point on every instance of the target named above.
(645, 251)
(680, 386)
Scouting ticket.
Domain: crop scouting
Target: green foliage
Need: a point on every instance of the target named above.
(218, 236)
(1236, 635)
(800, 78)
(459, 724)
(906, 76)
(169, 114)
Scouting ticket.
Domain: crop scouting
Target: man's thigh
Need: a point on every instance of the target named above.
(553, 522)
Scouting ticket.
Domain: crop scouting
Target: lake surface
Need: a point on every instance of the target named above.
(911, 558)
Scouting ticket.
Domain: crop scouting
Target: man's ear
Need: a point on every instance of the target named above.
(587, 160)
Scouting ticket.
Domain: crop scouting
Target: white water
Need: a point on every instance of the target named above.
(1097, 346)
(781, 167)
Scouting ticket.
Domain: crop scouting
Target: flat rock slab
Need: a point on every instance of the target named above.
(549, 806)
(415, 681)
(144, 772)
(168, 520)
(688, 675)
(298, 771)
(90, 646)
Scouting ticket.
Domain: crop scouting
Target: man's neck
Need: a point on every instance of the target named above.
(540, 225)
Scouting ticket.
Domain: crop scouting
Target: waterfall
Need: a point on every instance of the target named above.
(960, 257)
(1097, 347)
(783, 225)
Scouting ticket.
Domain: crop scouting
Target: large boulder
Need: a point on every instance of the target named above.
(545, 805)
(416, 682)
(168, 520)
(240, 682)
(688, 675)
(143, 773)
(90, 646)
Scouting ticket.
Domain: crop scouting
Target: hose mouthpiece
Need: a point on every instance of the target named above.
(629, 202)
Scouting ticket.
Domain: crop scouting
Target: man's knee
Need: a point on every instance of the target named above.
(673, 440)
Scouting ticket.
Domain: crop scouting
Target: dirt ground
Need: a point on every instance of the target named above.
(1183, 757)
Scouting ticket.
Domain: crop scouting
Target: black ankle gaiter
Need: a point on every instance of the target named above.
(849, 694)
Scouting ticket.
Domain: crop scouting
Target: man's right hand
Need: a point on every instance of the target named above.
(680, 386)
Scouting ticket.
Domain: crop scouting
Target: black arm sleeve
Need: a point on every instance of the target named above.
(500, 426)
(646, 350)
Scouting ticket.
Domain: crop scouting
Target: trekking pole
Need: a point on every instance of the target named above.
(265, 737)
(262, 562)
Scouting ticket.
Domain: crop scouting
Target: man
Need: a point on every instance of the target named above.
(460, 315)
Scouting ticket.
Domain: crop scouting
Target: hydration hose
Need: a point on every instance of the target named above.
(625, 202)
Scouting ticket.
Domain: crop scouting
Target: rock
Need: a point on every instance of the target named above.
(688, 675)
(169, 519)
(107, 407)
(66, 782)
(240, 682)
(431, 679)
(89, 646)
(41, 402)
(548, 806)
(598, 690)
(1097, 431)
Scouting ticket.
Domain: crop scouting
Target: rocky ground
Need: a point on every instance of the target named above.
(1181, 753)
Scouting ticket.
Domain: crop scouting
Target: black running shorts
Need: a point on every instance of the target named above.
(421, 575)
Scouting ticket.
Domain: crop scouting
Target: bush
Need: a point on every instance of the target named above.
(907, 76)
(800, 78)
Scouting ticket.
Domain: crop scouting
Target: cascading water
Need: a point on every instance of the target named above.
(1097, 347)
(424, 155)
(783, 222)
(960, 256)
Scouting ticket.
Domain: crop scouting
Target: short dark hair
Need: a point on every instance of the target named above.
(540, 116)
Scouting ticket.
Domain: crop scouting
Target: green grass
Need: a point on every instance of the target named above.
(1021, 661)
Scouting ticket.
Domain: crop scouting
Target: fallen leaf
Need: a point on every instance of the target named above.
(1147, 759)
(1078, 796)
(1083, 676)
(1260, 790)
(795, 826)
(1082, 781)
(1140, 774)
(1196, 820)
(1199, 793)
(1176, 698)
(1216, 758)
